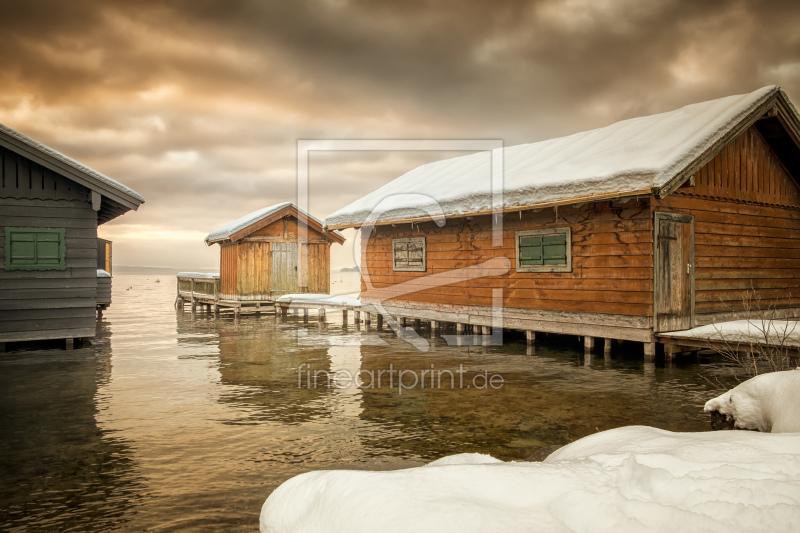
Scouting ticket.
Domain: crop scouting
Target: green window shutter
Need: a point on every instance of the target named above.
(22, 249)
(530, 251)
(554, 249)
(35, 249)
(544, 250)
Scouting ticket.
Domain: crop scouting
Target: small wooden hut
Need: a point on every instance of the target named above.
(647, 226)
(50, 208)
(277, 250)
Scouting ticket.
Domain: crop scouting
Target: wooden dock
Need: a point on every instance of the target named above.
(473, 326)
(739, 335)
(202, 292)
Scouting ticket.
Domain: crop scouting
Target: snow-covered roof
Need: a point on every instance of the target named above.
(637, 156)
(225, 232)
(96, 181)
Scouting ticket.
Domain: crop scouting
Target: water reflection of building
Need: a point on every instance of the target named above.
(261, 358)
(60, 470)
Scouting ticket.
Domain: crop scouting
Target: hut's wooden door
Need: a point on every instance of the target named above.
(284, 275)
(674, 271)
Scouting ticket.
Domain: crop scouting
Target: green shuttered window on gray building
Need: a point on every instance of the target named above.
(35, 249)
(544, 250)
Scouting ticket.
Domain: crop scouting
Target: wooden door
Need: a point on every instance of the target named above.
(284, 275)
(674, 272)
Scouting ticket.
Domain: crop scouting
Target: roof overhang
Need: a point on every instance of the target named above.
(116, 200)
(288, 211)
(778, 107)
(513, 209)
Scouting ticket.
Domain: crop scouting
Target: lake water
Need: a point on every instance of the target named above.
(170, 422)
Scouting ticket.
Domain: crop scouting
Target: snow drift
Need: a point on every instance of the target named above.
(627, 479)
(768, 403)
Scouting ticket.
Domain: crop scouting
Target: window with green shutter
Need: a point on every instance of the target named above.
(35, 249)
(547, 250)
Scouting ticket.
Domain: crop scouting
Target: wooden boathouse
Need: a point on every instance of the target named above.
(50, 273)
(264, 255)
(632, 231)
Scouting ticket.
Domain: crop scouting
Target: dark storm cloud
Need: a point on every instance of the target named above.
(198, 104)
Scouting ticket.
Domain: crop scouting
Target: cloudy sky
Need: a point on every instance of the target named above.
(198, 104)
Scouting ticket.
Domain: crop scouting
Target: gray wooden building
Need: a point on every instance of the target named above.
(50, 208)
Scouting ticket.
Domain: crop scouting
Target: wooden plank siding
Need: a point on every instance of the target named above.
(746, 170)
(228, 271)
(746, 208)
(246, 266)
(612, 267)
(50, 304)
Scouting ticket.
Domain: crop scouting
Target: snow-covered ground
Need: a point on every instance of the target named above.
(769, 402)
(627, 479)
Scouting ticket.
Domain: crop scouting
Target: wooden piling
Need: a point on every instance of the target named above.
(69, 344)
(588, 343)
(649, 352)
(530, 338)
(670, 350)
(379, 320)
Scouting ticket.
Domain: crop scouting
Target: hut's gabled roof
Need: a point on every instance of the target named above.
(244, 226)
(640, 156)
(117, 199)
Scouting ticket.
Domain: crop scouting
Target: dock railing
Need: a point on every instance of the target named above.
(194, 286)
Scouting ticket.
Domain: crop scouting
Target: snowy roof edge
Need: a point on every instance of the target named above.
(92, 175)
(225, 231)
(741, 109)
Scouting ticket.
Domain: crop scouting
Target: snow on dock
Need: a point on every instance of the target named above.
(735, 333)
(320, 302)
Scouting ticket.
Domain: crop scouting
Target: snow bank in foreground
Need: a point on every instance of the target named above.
(769, 402)
(627, 479)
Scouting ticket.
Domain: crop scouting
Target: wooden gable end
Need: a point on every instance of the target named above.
(285, 229)
(747, 170)
(283, 225)
(22, 178)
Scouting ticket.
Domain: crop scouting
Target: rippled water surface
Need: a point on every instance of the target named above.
(169, 422)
